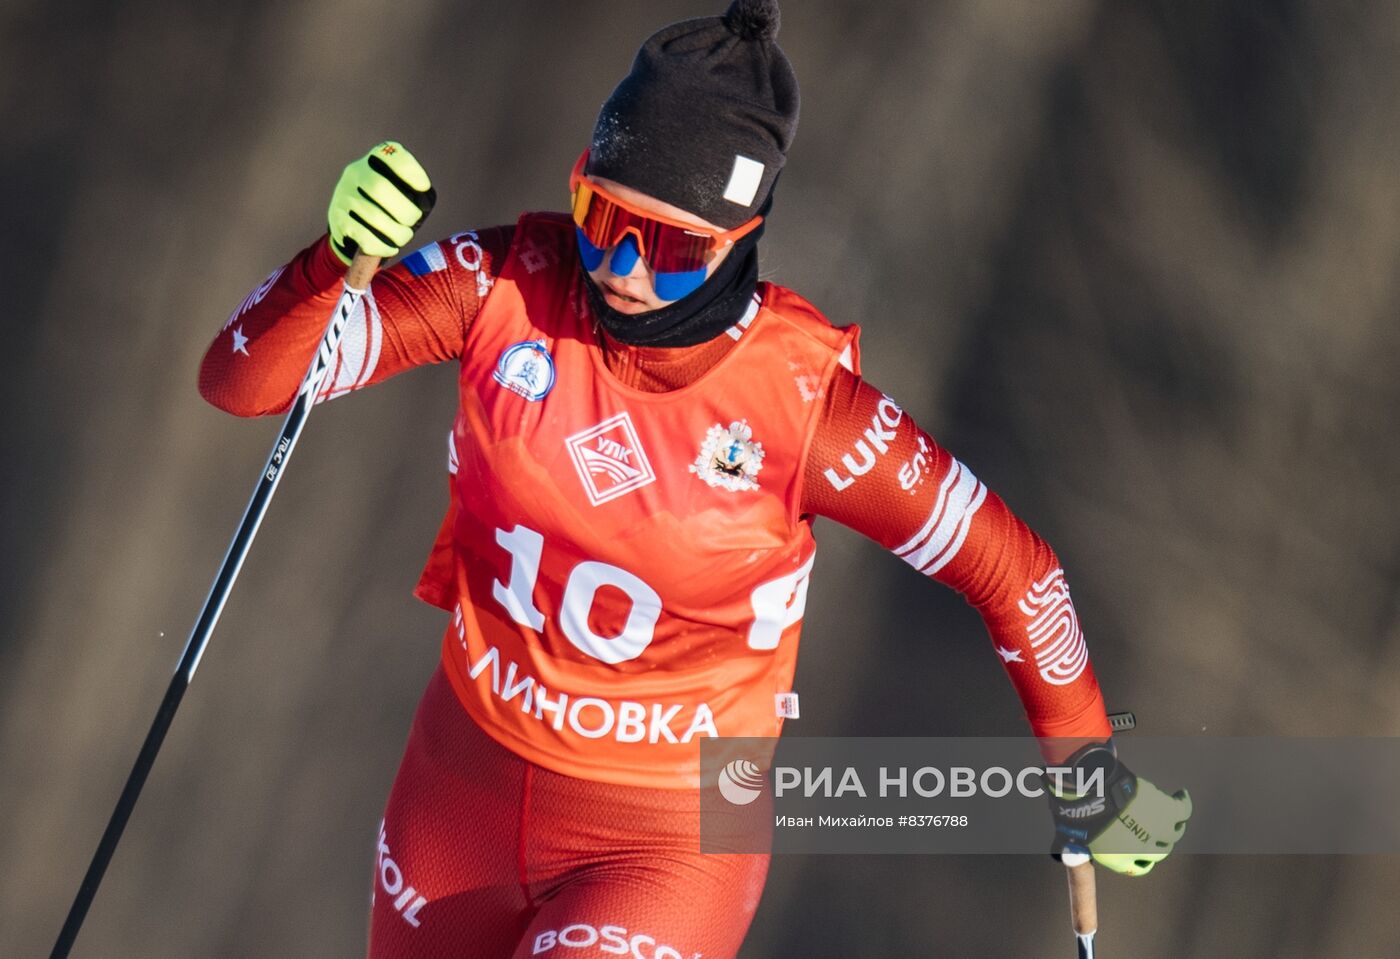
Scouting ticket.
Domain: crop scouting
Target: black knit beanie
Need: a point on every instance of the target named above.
(704, 119)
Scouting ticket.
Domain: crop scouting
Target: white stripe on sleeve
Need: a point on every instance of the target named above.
(959, 498)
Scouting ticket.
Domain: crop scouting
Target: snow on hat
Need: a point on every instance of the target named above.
(704, 119)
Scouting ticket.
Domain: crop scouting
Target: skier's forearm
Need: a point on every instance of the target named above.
(256, 361)
(1015, 581)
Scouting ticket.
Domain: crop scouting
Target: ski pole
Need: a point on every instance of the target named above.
(1079, 867)
(356, 282)
(1083, 905)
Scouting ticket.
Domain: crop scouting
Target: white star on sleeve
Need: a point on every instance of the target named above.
(240, 342)
(1009, 655)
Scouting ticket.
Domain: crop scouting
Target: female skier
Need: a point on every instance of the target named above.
(645, 433)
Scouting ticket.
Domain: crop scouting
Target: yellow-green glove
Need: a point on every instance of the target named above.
(380, 199)
(1129, 826)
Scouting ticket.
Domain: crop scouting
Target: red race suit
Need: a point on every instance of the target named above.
(626, 558)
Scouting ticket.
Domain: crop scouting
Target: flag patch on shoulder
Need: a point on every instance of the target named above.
(427, 260)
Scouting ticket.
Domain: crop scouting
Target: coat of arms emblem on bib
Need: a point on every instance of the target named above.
(729, 457)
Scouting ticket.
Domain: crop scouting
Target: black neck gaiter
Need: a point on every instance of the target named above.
(713, 308)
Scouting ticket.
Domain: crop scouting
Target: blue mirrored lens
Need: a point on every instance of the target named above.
(587, 252)
(625, 256)
(675, 286)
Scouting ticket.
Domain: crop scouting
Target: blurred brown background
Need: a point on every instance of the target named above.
(1134, 262)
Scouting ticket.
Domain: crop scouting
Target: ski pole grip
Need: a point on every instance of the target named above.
(361, 271)
(1083, 905)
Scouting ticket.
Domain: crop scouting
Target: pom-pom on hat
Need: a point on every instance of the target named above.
(705, 117)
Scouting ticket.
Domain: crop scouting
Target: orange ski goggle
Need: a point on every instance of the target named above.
(668, 246)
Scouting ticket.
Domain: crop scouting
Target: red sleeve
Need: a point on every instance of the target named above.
(872, 469)
(416, 312)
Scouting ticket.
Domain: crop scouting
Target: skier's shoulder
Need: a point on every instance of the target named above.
(478, 250)
(804, 319)
(534, 238)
